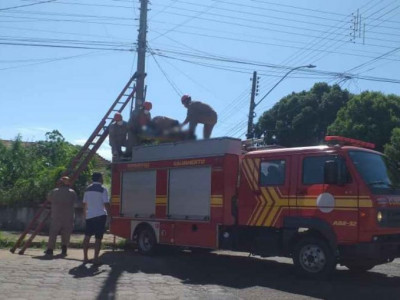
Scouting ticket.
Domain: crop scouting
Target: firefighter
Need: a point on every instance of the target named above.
(198, 112)
(117, 136)
(137, 124)
(62, 200)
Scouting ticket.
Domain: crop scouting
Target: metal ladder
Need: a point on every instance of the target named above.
(78, 163)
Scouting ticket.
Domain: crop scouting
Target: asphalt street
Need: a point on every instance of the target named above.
(182, 275)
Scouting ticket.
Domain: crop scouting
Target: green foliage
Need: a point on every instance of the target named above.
(301, 119)
(29, 172)
(392, 149)
(370, 116)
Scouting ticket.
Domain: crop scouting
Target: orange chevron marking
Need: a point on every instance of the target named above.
(270, 203)
(248, 176)
(253, 186)
(262, 206)
(278, 215)
(249, 221)
(254, 168)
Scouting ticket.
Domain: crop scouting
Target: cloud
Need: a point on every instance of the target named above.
(82, 142)
(104, 150)
(79, 142)
(33, 132)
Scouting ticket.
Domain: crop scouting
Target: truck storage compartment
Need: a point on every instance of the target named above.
(138, 194)
(189, 193)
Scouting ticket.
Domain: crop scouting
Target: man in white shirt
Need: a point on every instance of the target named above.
(96, 209)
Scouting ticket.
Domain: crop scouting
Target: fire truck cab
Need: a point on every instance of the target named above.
(321, 205)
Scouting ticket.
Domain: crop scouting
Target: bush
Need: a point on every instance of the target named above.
(29, 171)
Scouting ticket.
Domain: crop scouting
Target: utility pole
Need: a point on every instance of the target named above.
(141, 51)
(250, 126)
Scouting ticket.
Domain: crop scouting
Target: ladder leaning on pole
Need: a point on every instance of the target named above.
(78, 163)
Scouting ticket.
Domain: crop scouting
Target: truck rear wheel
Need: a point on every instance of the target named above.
(313, 258)
(146, 241)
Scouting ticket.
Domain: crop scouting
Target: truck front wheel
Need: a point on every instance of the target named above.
(313, 258)
(146, 241)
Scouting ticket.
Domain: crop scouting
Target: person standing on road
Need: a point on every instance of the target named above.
(62, 200)
(96, 209)
(199, 112)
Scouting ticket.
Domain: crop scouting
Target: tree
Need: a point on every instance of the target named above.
(392, 149)
(370, 116)
(28, 172)
(302, 119)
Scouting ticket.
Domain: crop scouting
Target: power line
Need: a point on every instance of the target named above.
(188, 19)
(261, 64)
(309, 9)
(294, 29)
(373, 60)
(243, 11)
(66, 46)
(32, 4)
(47, 61)
(327, 45)
(299, 58)
(263, 42)
(173, 85)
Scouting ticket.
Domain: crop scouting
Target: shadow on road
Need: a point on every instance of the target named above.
(85, 270)
(241, 272)
(57, 256)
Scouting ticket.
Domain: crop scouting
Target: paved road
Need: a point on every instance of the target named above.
(127, 275)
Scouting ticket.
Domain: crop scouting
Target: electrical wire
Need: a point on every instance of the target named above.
(173, 85)
(32, 4)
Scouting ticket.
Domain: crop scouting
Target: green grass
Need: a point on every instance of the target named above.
(8, 242)
(5, 242)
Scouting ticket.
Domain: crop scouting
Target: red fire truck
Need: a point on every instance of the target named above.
(321, 205)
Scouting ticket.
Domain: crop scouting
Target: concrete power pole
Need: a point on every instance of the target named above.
(250, 126)
(141, 50)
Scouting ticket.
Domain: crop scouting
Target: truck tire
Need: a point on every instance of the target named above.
(359, 267)
(313, 257)
(146, 241)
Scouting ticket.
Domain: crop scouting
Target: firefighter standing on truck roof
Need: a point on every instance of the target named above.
(198, 112)
(62, 201)
(138, 122)
(117, 136)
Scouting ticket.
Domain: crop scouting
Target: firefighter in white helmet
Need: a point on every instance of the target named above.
(198, 112)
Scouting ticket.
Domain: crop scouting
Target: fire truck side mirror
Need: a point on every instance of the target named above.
(331, 172)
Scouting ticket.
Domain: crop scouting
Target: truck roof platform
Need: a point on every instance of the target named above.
(186, 149)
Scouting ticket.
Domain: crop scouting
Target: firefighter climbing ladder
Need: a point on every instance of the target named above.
(79, 162)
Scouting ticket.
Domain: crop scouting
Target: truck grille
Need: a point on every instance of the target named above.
(391, 218)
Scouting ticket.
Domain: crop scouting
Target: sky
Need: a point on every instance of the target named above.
(63, 62)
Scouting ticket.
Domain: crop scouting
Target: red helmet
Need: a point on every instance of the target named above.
(147, 105)
(186, 99)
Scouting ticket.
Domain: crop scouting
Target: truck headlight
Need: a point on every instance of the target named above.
(379, 216)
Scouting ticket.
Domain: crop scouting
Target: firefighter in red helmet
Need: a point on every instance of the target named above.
(199, 112)
(137, 124)
(117, 135)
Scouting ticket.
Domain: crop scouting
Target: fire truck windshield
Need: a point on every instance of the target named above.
(379, 173)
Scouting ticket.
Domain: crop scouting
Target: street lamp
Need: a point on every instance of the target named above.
(250, 129)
